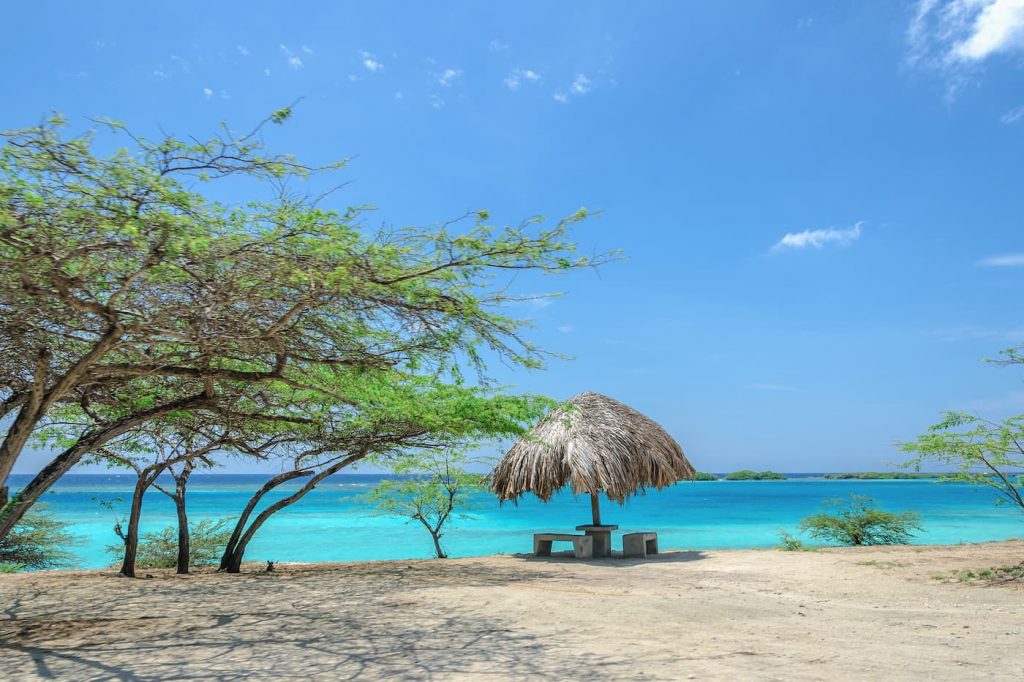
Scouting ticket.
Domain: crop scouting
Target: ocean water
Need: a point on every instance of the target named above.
(332, 524)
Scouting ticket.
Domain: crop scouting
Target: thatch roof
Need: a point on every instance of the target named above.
(591, 443)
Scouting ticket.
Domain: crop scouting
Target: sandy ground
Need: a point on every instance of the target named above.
(853, 614)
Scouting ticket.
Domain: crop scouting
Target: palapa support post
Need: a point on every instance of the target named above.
(595, 509)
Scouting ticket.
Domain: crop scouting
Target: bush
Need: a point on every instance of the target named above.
(791, 544)
(748, 475)
(859, 524)
(160, 549)
(39, 541)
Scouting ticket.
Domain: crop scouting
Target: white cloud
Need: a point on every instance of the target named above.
(818, 238)
(1013, 115)
(1005, 260)
(561, 97)
(207, 93)
(952, 37)
(565, 328)
(242, 50)
(266, 72)
(772, 387)
(436, 102)
(581, 85)
(448, 76)
(292, 59)
(519, 76)
(371, 64)
(497, 46)
(160, 74)
(804, 23)
(398, 96)
(307, 50)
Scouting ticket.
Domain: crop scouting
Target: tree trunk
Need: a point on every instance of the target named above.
(437, 546)
(234, 559)
(184, 549)
(131, 537)
(236, 534)
(38, 402)
(44, 480)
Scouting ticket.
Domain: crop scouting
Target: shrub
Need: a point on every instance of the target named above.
(39, 541)
(791, 544)
(160, 549)
(857, 523)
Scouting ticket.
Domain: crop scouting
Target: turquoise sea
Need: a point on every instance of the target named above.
(331, 524)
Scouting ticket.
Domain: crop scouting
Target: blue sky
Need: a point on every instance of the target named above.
(820, 202)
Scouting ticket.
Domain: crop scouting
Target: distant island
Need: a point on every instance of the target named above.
(887, 475)
(750, 475)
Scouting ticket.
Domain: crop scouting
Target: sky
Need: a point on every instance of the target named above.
(819, 203)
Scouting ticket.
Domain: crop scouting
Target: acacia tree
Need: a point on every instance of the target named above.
(125, 287)
(434, 488)
(392, 414)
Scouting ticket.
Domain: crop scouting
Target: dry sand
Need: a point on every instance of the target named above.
(852, 614)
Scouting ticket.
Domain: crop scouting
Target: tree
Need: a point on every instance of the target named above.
(433, 489)
(149, 451)
(124, 287)
(39, 541)
(980, 451)
(857, 523)
(391, 414)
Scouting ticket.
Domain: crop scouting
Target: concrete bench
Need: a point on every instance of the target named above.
(639, 544)
(582, 545)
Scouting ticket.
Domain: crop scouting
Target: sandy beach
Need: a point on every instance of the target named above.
(864, 613)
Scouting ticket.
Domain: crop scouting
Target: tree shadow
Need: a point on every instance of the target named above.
(345, 622)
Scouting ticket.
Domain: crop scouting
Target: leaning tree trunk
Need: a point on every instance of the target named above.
(131, 537)
(232, 562)
(12, 512)
(236, 534)
(184, 548)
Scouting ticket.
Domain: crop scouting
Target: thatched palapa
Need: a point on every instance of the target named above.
(593, 444)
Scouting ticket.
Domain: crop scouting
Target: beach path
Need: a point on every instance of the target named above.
(857, 613)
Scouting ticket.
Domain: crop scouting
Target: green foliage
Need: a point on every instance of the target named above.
(748, 475)
(160, 549)
(433, 489)
(886, 475)
(854, 522)
(981, 451)
(789, 543)
(38, 541)
(702, 476)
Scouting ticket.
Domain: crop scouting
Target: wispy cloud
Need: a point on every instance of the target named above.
(436, 101)
(371, 64)
(242, 50)
(520, 76)
(772, 387)
(160, 74)
(1013, 115)
(182, 63)
(292, 59)
(207, 93)
(581, 85)
(448, 77)
(307, 50)
(1003, 260)
(565, 328)
(818, 238)
(497, 46)
(804, 23)
(561, 97)
(954, 36)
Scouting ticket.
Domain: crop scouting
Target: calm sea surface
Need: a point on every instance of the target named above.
(332, 524)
